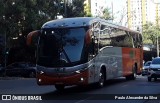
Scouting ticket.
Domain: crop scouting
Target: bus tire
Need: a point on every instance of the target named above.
(59, 87)
(102, 77)
(155, 79)
(133, 75)
(149, 79)
(129, 77)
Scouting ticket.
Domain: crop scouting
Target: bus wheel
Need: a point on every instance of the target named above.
(155, 79)
(59, 87)
(131, 77)
(101, 78)
(149, 79)
(134, 73)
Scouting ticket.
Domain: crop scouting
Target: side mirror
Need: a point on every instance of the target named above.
(32, 35)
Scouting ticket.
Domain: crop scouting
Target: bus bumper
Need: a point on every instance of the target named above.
(74, 79)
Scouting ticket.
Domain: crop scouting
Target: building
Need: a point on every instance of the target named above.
(117, 9)
(142, 11)
(130, 13)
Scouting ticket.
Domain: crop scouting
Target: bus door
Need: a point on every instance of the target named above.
(97, 59)
(93, 51)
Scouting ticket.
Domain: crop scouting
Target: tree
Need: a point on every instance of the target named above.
(75, 9)
(19, 17)
(87, 9)
(150, 33)
(107, 14)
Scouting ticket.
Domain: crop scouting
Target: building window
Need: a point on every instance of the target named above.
(96, 4)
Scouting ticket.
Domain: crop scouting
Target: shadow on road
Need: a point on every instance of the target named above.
(80, 92)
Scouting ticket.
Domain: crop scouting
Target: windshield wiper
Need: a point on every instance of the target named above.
(66, 55)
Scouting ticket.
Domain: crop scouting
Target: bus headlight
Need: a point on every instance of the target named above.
(78, 71)
(41, 72)
(82, 79)
(39, 80)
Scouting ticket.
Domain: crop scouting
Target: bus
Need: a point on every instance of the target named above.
(85, 50)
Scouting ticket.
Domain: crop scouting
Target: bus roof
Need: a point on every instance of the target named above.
(80, 22)
(69, 22)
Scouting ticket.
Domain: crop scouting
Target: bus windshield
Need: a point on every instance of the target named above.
(61, 47)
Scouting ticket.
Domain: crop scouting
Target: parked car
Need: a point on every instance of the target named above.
(154, 69)
(145, 68)
(22, 69)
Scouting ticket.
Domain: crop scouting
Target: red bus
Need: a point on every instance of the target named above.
(85, 50)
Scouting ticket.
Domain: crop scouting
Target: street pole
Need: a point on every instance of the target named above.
(157, 47)
(65, 8)
(112, 11)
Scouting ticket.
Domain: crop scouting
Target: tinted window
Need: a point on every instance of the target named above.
(147, 64)
(61, 46)
(156, 61)
(137, 40)
(115, 37)
(21, 65)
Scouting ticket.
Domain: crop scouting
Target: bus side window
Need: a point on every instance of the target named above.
(128, 41)
(104, 38)
(139, 45)
(137, 40)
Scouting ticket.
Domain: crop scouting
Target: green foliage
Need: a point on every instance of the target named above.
(22, 16)
(75, 9)
(107, 14)
(19, 17)
(150, 33)
(87, 9)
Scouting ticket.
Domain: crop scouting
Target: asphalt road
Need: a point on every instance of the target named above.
(91, 94)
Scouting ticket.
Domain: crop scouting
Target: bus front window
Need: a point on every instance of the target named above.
(61, 47)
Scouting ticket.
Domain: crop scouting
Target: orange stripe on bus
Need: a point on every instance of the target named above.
(130, 56)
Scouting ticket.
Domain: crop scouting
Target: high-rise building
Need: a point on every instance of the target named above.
(136, 17)
(130, 13)
(117, 9)
(142, 11)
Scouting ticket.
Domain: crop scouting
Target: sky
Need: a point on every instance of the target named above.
(119, 9)
(156, 1)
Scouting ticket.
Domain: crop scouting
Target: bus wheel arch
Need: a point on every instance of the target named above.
(134, 72)
(102, 76)
(135, 68)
